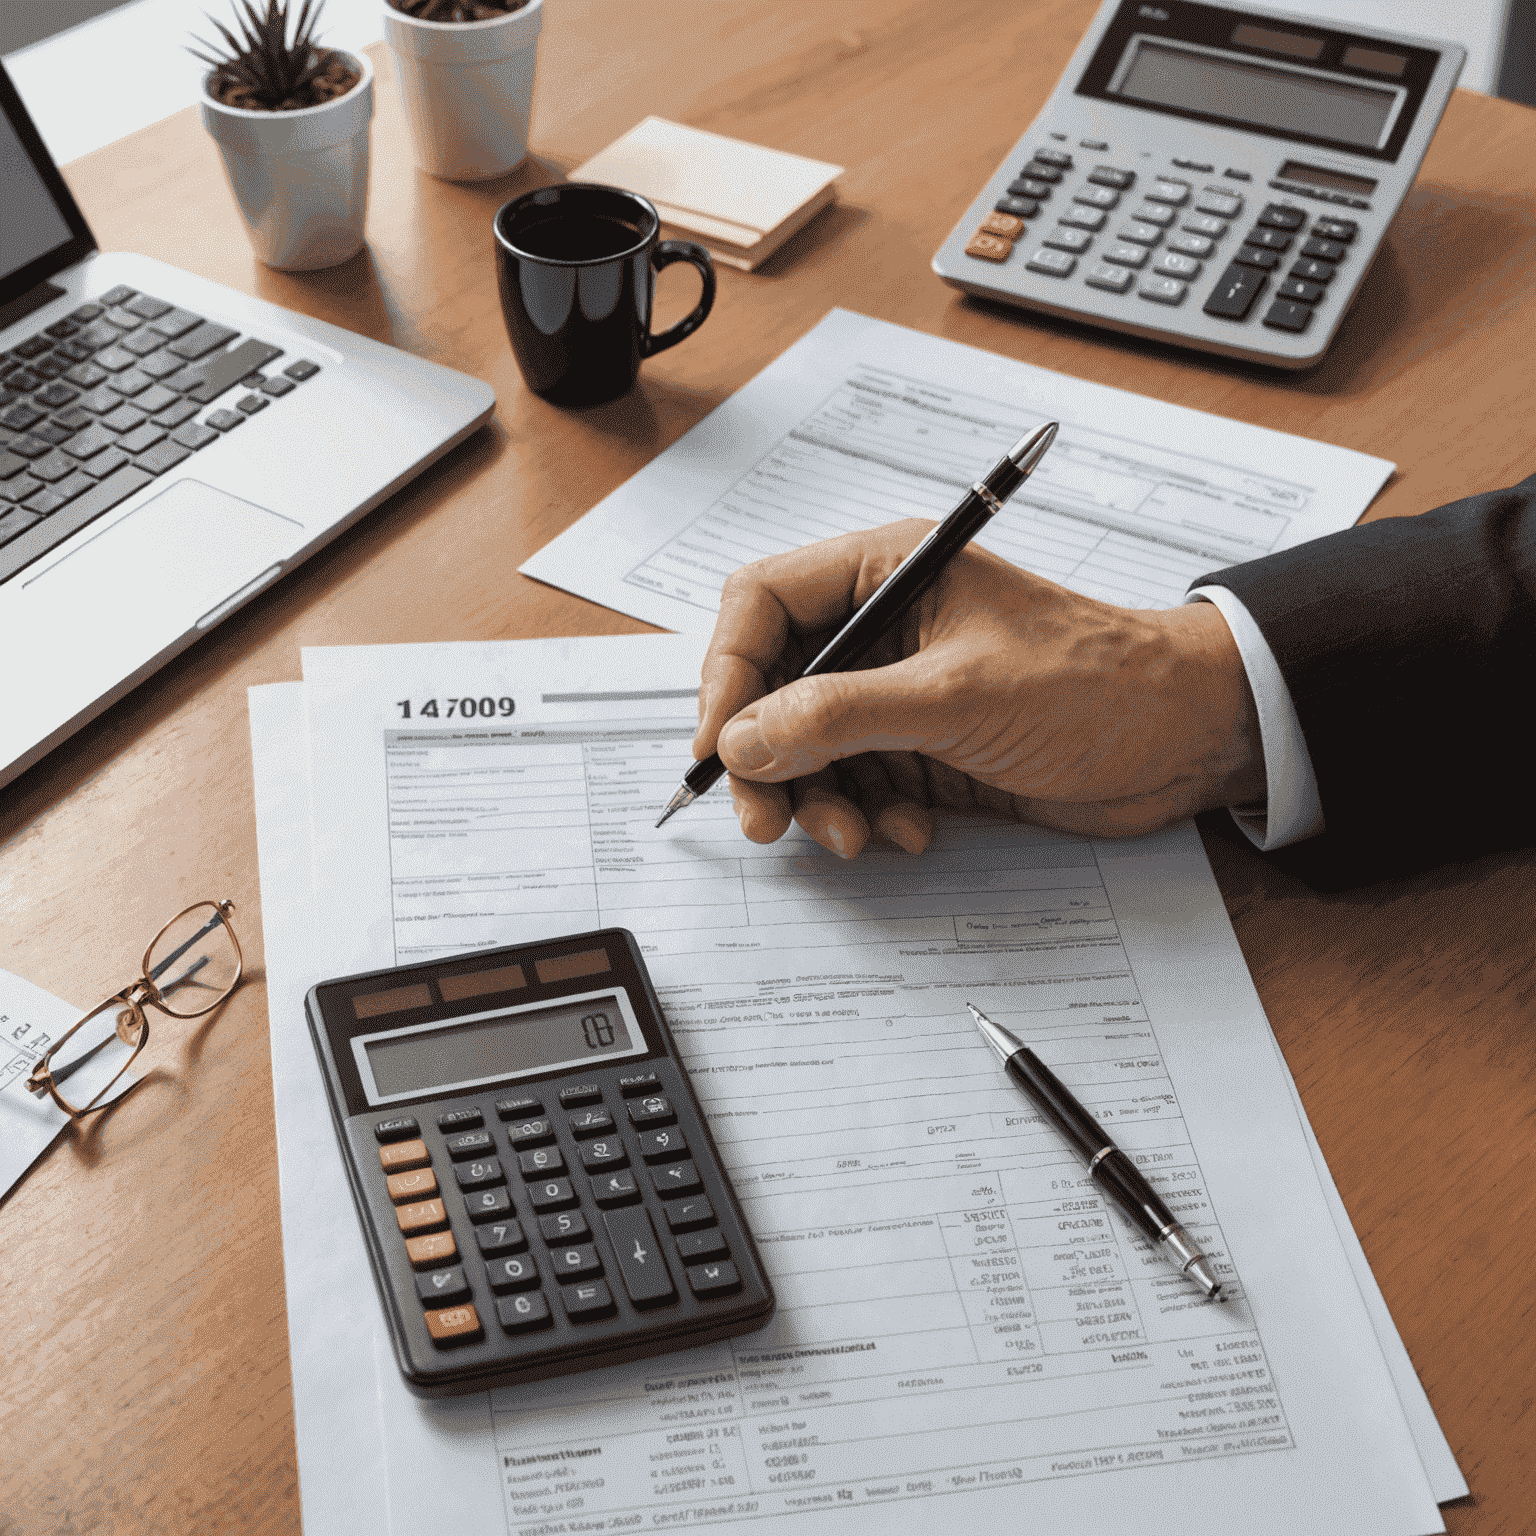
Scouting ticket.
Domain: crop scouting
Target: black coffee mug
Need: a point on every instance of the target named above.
(576, 266)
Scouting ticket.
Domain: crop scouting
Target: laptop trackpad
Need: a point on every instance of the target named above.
(176, 557)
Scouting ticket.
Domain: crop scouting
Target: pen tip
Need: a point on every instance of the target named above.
(1032, 447)
(684, 796)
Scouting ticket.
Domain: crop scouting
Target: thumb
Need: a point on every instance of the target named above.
(814, 721)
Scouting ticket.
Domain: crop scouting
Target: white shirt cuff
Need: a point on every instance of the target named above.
(1294, 810)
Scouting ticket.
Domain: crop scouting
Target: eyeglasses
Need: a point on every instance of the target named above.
(199, 952)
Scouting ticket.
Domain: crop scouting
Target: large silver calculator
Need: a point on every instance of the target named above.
(1209, 175)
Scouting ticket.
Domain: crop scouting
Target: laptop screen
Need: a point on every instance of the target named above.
(42, 231)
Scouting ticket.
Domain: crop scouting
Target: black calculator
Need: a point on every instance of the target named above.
(538, 1189)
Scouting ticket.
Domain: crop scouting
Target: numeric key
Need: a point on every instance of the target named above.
(642, 1265)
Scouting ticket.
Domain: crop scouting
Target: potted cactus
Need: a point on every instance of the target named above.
(291, 120)
(466, 73)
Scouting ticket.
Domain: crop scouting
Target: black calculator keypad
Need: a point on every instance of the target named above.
(460, 1120)
(563, 1227)
(442, 1287)
(524, 1313)
(538, 1132)
(470, 1144)
(577, 1262)
(615, 1189)
(663, 1146)
(552, 1195)
(519, 1273)
(517, 1107)
(676, 1179)
(590, 1122)
(716, 1279)
(633, 1084)
(653, 1109)
(709, 1244)
(397, 1129)
(488, 1205)
(643, 1266)
(587, 1301)
(603, 1154)
(580, 1093)
(688, 1215)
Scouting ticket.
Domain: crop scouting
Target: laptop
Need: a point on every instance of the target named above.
(168, 449)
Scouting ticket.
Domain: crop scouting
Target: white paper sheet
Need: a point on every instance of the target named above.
(30, 1021)
(1206, 1052)
(862, 422)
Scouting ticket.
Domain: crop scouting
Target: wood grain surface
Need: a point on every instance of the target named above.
(146, 1378)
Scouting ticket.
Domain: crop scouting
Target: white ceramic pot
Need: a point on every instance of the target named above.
(468, 89)
(300, 178)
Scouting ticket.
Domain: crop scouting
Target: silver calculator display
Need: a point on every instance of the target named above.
(1210, 175)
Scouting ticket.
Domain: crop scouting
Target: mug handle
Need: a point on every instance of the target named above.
(665, 254)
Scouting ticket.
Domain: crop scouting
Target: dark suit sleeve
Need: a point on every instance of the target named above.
(1407, 645)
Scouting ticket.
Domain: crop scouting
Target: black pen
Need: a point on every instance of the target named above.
(1106, 1162)
(902, 587)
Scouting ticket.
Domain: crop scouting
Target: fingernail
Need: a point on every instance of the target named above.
(903, 831)
(742, 747)
(835, 838)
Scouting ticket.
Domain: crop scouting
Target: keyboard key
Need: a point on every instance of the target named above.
(1038, 170)
(498, 1237)
(579, 1262)
(1111, 279)
(1238, 175)
(421, 1216)
(73, 419)
(161, 457)
(1312, 271)
(539, 1162)
(72, 485)
(587, 1301)
(1278, 216)
(176, 322)
(143, 436)
(29, 446)
(1139, 234)
(277, 386)
(664, 1145)
(1153, 213)
(518, 1273)
(131, 384)
(22, 488)
(523, 1314)
(442, 1285)
(118, 295)
(604, 1153)
(564, 1227)
(86, 375)
(1223, 204)
(483, 1170)
(147, 308)
(225, 421)
(161, 365)
(155, 399)
(590, 1122)
(454, 1325)
(1110, 176)
(652, 1110)
(207, 380)
(202, 340)
(1004, 225)
(691, 1214)
(50, 367)
(72, 351)
(114, 359)
(693, 1246)
(1204, 224)
(1269, 239)
(1286, 315)
(1329, 229)
(1072, 240)
(642, 1265)
(1096, 197)
(53, 466)
(56, 395)
(417, 1184)
(1057, 157)
(981, 246)
(142, 344)
(538, 1132)
(101, 400)
(1323, 250)
(1302, 292)
(10, 464)
(1024, 188)
(1190, 245)
(125, 418)
(615, 1189)
(1162, 290)
(20, 416)
(468, 1144)
(716, 1279)
(552, 1195)
(488, 1204)
(1174, 193)
(15, 521)
(1252, 256)
(92, 440)
(52, 433)
(45, 501)
(1018, 207)
(301, 370)
(175, 414)
(676, 1179)
(1172, 264)
(86, 313)
(1233, 295)
(33, 346)
(104, 464)
(1080, 218)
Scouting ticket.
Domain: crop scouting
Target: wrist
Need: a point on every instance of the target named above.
(1225, 740)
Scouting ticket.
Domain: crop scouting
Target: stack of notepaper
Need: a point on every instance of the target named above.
(964, 1328)
(740, 200)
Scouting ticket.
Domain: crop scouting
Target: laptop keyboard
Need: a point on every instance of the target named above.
(95, 406)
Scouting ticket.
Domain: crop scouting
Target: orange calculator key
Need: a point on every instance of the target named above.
(451, 1325)
(416, 1185)
(988, 247)
(429, 1252)
(424, 1216)
(1009, 226)
(398, 1155)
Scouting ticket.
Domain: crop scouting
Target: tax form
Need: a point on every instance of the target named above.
(862, 422)
(960, 1318)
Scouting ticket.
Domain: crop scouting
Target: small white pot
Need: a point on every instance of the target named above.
(468, 89)
(300, 178)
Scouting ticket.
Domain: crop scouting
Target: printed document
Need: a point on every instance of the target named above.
(862, 422)
(960, 1317)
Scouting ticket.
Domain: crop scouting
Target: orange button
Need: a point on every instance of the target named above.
(411, 1186)
(429, 1252)
(424, 1216)
(1008, 225)
(450, 1324)
(988, 247)
(398, 1155)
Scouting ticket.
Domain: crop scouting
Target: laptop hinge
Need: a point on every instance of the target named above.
(33, 298)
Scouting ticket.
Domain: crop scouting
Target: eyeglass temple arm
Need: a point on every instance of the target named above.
(215, 921)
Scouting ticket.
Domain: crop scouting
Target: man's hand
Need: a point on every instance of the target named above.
(1000, 691)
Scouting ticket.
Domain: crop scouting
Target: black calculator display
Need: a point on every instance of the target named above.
(537, 1186)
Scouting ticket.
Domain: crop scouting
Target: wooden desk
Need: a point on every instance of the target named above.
(147, 1384)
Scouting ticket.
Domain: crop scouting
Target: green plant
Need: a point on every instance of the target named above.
(266, 70)
(457, 10)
